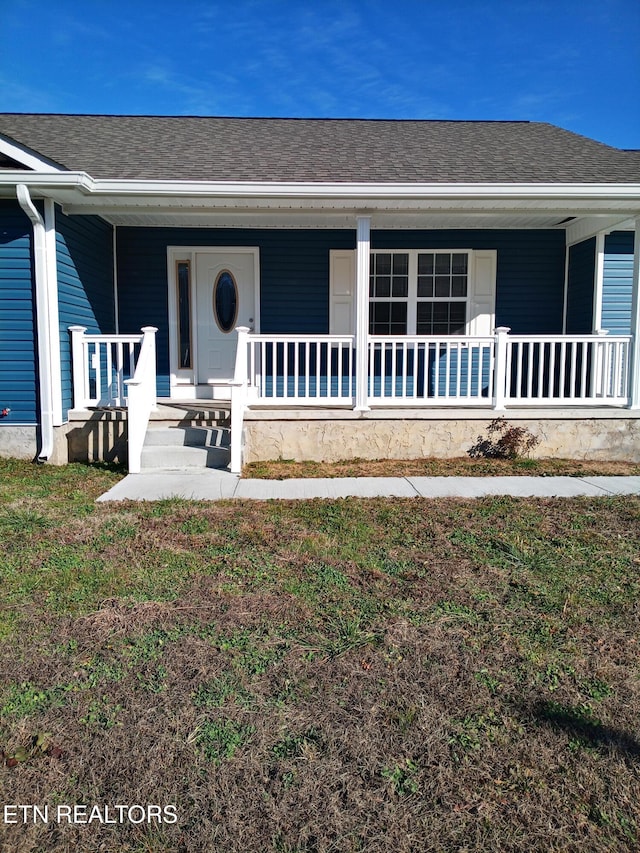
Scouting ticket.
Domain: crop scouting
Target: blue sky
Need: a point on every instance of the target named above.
(575, 63)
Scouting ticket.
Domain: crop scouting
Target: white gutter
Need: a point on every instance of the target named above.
(81, 181)
(620, 192)
(42, 322)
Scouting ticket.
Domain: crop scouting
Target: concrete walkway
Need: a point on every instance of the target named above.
(214, 485)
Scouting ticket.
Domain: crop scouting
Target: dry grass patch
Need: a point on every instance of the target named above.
(283, 469)
(314, 676)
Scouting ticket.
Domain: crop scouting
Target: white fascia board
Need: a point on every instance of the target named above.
(29, 159)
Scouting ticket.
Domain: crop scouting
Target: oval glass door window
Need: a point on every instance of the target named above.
(225, 301)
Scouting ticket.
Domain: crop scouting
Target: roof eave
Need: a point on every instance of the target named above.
(79, 192)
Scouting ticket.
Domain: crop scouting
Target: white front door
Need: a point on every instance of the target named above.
(225, 298)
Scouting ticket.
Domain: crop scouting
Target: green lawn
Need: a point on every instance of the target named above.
(353, 675)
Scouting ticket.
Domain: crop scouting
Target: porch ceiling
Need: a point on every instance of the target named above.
(331, 220)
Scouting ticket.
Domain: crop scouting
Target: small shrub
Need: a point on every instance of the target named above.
(503, 441)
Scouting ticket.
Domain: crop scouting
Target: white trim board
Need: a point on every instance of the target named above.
(180, 381)
(29, 159)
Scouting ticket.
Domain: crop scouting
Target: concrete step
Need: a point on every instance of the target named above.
(178, 435)
(179, 456)
(185, 413)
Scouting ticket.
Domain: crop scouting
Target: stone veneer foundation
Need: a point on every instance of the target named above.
(323, 435)
(318, 436)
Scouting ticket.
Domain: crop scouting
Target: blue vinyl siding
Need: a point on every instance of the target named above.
(580, 287)
(617, 285)
(294, 278)
(530, 274)
(84, 253)
(18, 374)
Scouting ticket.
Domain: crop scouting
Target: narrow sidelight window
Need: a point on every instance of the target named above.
(183, 277)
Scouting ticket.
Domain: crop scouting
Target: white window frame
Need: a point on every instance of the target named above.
(412, 299)
(481, 289)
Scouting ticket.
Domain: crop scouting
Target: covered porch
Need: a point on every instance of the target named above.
(367, 355)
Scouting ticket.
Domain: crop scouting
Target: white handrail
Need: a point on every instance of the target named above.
(141, 399)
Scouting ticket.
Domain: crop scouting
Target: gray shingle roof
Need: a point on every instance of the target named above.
(340, 150)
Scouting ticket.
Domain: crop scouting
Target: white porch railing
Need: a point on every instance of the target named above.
(101, 364)
(549, 370)
(301, 369)
(492, 371)
(452, 370)
(117, 370)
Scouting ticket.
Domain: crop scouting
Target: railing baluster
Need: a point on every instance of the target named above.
(447, 366)
(574, 357)
(383, 370)
(583, 370)
(540, 366)
(263, 370)
(97, 369)
(405, 365)
(607, 373)
(119, 373)
(562, 377)
(508, 369)
(552, 370)
(109, 374)
(297, 391)
(518, 394)
(394, 351)
(530, 353)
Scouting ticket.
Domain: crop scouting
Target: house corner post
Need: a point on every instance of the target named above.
(634, 373)
(78, 367)
(501, 335)
(239, 399)
(363, 236)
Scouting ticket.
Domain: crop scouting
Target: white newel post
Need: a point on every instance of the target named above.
(634, 386)
(362, 312)
(141, 398)
(78, 367)
(239, 399)
(500, 368)
(149, 342)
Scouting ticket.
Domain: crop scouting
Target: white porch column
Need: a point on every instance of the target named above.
(634, 389)
(362, 312)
